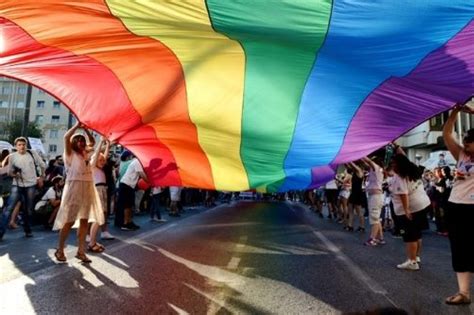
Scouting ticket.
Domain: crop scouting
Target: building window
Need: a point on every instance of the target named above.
(4, 104)
(22, 90)
(39, 119)
(20, 105)
(6, 90)
(39, 104)
(53, 134)
(56, 104)
(437, 122)
(53, 148)
(55, 119)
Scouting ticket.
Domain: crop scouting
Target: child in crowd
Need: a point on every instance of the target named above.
(98, 161)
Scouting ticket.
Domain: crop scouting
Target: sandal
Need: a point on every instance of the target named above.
(96, 248)
(458, 299)
(82, 257)
(60, 256)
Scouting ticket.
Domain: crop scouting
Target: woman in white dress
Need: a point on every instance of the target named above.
(80, 201)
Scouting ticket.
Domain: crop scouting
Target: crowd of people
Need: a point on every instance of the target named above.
(402, 197)
(82, 187)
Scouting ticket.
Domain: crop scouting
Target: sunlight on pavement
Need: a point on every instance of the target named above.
(14, 293)
(114, 274)
(270, 248)
(253, 292)
(221, 225)
(216, 300)
(11, 266)
(115, 259)
(178, 310)
(214, 273)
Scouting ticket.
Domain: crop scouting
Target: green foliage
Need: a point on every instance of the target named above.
(14, 130)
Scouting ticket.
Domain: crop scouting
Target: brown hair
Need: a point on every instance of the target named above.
(75, 139)
(469, 136)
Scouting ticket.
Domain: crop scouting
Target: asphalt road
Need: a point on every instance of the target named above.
(243, 258)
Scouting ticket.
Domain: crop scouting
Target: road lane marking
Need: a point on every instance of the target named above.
(363, 277)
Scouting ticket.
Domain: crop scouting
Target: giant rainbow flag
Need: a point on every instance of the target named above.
(232, 95)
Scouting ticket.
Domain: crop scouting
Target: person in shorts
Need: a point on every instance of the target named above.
(375, 200)
(411, 204)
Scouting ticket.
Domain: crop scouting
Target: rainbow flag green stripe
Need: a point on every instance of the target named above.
(285, 55)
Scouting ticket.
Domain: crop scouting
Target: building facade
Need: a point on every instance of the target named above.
(52, 117)
(22, 102)
(426, 138)
(13, 101)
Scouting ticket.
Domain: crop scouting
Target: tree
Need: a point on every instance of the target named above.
(14, 128)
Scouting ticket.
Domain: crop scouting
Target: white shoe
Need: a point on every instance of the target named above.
(155, 219)
(106, 236)
(409, 265)
(418, 259)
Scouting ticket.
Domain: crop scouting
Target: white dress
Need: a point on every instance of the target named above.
(80, 199)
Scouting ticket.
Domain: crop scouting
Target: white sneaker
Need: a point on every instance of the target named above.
(418, 259)
(155, 219)
(106, 236)
(409, 265)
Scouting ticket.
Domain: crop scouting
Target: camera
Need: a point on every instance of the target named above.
(16, 170)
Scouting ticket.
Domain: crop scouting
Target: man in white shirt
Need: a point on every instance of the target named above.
(26, 168)
(126, 195)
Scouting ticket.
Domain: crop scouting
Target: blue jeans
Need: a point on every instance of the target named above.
(155, 206)
(27, 197)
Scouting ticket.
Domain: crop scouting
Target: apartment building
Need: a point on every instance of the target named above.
(13, 101)
(426, 138)
(53, 118)
(22, 102)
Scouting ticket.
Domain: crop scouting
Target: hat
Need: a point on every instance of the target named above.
(125, 155)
